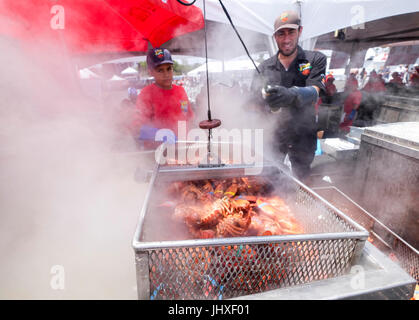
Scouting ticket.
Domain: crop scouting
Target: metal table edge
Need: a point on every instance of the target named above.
(141, 246)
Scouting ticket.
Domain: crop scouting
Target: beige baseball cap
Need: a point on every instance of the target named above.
(287, 19)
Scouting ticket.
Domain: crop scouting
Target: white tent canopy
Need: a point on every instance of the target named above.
(318, 16)
(129, 71)
(86, 73)
(255, 19)
(219, 66)
(116, 78)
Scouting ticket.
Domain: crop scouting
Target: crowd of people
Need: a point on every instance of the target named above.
(363, 94)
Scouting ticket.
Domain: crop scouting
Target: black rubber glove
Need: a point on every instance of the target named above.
(296, 97)
(279, 97)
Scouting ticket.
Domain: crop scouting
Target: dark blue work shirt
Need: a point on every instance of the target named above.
(307, 69)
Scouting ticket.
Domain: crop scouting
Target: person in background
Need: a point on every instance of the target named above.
(396, 84)
(288, 88)
(375, 83)
(372, 100)
(161, 104)
(362, 74)
(351, 83)
(330, 89)
(328, 96)
(396, 79)
(414, 78)
(406, 75)
(381, 80)
(386, 74)
(362, 77)
(132, 94)
(350, 109)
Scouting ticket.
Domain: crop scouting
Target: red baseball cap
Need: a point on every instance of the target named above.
(330, 77)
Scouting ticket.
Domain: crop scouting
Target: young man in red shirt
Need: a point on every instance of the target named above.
(161, 104)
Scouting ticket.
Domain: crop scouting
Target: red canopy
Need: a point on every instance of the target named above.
(96, 26)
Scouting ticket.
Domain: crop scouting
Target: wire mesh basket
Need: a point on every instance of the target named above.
(223, 268)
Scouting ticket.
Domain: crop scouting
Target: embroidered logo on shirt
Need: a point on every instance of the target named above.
(305, 68)
(184, 105)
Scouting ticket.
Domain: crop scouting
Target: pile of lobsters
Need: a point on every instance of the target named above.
(231, 208)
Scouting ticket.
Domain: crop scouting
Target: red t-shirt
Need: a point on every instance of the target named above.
(351, 104)
(375, 85)
(397, 80)
(330, 89)
(351, 84)
(414, 80)
(163, 108)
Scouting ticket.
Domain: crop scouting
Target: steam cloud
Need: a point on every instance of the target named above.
(67, 197)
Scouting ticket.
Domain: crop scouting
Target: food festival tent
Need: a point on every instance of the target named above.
(111, 28)
(318, 16)
(348, 26)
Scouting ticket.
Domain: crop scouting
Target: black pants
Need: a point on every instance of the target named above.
(300, 149)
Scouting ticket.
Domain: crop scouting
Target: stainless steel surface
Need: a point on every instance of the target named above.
(340, 149)
(223, 268)
(398, 109)
(401, 137)
(141, 266)
(389, 242)
(386, 177)
(146, 201)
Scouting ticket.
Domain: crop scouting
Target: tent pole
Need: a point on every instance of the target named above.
(72, 68)
(354, 49)
(348, 66)
(298, 3)
(222, 64)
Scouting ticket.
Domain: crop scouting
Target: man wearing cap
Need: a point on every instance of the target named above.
(396, 79)
(330, 89)
(161, 104)
(290, 82)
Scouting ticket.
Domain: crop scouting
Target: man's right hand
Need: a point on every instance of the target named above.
(295, 97)
(278, 97)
